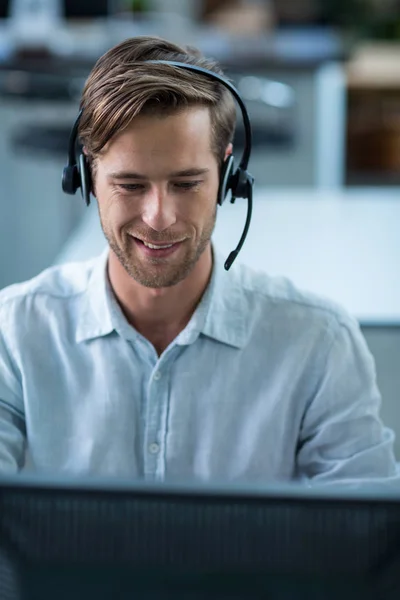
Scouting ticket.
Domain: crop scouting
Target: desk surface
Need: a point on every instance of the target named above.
(344, 245)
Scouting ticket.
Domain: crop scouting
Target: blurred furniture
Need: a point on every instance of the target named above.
(373, 130)
(302, 141)
(37, 107)
(36, 217)
(302, 144)
(240, 16)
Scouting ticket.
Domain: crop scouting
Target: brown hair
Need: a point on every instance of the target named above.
(120, 87)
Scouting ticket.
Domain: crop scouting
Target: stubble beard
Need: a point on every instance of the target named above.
(159, 273)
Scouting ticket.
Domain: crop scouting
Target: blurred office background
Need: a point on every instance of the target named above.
(321, 79)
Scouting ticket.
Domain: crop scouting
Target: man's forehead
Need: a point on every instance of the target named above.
(185, 143)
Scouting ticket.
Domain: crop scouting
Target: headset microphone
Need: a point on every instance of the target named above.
(238, 181)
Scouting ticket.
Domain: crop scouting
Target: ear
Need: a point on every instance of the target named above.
(228, 151)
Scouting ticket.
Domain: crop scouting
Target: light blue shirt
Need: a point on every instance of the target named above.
(265, 383)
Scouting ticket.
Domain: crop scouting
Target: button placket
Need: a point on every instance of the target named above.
(155, 422)
(156, 426)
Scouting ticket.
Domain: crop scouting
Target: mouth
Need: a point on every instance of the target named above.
(158, 249)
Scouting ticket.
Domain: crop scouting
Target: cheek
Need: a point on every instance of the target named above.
(196, 210)
(114, 209)
(208, 203)
(119, 212)
(204, 203)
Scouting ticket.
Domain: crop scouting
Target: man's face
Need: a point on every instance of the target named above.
(156, 183)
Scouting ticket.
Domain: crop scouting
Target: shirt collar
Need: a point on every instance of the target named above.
(222, 312)
(94, 319)
(226, 318)
(220, 315)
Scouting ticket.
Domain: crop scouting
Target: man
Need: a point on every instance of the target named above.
(152, 361)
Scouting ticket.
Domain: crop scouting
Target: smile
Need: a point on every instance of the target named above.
(157, 247)
(152, 250)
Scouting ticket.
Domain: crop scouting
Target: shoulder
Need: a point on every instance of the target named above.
(280, 299)
(55, 286)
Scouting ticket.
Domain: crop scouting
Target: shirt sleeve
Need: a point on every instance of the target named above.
(342, 437)
(12, 417)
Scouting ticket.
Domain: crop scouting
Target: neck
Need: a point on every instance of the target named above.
(160, 314)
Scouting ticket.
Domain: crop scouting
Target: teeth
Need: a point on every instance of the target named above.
(157, 247)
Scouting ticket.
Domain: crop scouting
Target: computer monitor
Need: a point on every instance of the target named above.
(106, 540)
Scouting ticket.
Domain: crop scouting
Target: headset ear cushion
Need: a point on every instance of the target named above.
(70, 179)
(85, 177)
(225, 181)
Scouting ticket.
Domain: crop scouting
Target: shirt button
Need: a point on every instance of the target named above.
(154, 448)
(157, 375)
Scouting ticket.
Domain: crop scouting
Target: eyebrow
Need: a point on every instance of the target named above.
(133, 175)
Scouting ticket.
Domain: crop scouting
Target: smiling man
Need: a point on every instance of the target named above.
(152, 361)
(157, 181)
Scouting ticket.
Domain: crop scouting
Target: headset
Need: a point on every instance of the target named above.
(238, 181)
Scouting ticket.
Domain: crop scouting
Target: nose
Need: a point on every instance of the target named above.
(158, 210)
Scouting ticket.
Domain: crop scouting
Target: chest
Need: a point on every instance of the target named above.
(184, 415)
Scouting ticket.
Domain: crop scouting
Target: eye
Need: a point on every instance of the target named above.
(187, 185)
(130, 187)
